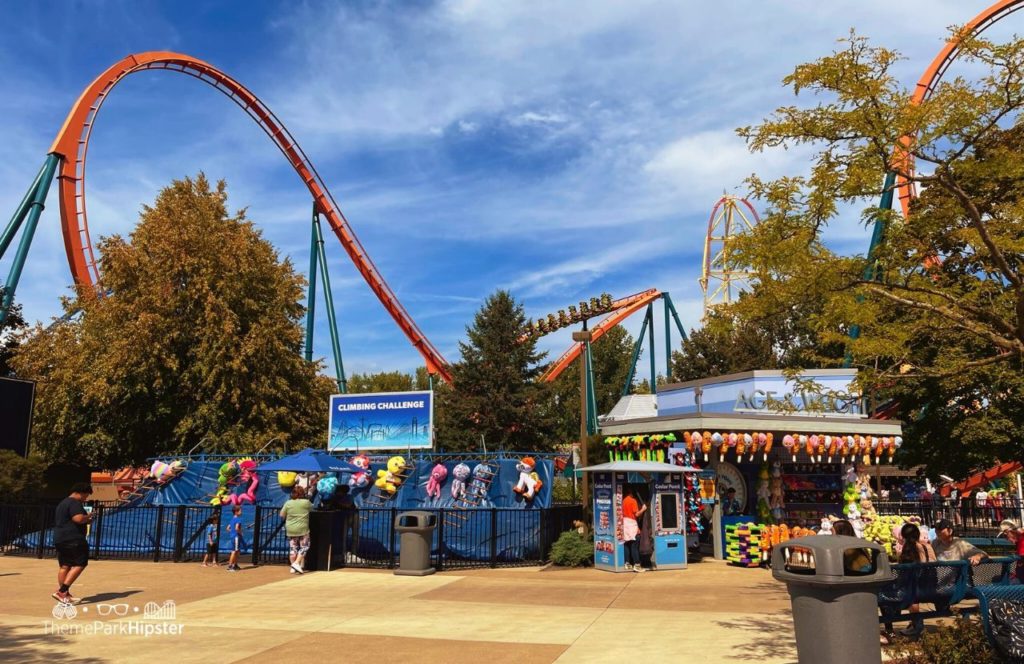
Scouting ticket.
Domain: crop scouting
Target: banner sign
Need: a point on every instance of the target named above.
(381, 421)
(604, 522)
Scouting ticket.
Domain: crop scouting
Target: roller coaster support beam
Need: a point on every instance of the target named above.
(339, 367)
(871, 271)
(28, 213)
(591, 393)
(650, 339)
(636, 353)
(314, 255)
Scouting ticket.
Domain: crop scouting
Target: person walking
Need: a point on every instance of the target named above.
(69, 538)
(212, 543)
(631, 511)
(295, 512)
(235, 529)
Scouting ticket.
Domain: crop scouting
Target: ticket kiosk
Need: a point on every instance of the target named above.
(661, 487)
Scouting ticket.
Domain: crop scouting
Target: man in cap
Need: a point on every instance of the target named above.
(948, 547)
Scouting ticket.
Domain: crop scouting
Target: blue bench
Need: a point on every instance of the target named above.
(941, 583)
(985, 595)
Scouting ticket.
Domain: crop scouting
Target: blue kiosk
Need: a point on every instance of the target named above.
(661, 487)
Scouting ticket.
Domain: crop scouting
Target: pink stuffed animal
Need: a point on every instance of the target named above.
(436, 481)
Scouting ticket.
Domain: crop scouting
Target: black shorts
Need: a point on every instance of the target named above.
(211, 549)
(73, 554)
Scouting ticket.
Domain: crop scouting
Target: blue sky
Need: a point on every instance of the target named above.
(556, 149)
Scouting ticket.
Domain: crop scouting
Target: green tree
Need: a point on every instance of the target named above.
(388, 381)
(21, 478)
(197, 337)
(10, 332)
(610, 358)
(495, 392)
(940, 305)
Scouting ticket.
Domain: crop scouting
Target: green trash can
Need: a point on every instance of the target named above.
(417, 533)
(833, 582)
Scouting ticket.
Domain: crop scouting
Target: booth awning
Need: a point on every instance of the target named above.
(738, 422)
(638, 467)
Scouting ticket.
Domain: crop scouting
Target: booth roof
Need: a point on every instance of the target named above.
(638, 467)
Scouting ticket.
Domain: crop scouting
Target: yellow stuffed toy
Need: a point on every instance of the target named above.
(389, 480)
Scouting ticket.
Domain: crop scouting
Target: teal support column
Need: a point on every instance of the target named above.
(636, 356)
(668, 339)
(871, 271)
(591, 393)
(650, 339)
(675, 316)
(339, 367)
(19, 213)
(31, 221)
(430, 381)
(314, 256)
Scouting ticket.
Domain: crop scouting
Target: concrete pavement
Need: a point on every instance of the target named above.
(710, 612)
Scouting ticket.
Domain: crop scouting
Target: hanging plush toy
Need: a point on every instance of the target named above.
(286, 479)
(897, 443)
(704, 440)
(460, 474)
(327, 486)
(789, 443)
(529, 482)
(750, 444)
(480, 484)
(766, 443)
(842, 448)
(831, 442)
(250, 481)
(165, 472)
(717, 440)
(227, 472)
(389, 480)
(436, 481)
(819, 446)
(361, 478)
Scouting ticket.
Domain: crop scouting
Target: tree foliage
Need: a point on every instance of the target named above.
(197, 338)
(10, 337)
(610, 357)
(940, 305)
(21, 478)
(388, 381)
(495, 393)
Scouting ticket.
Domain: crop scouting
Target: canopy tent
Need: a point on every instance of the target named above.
(311, 461)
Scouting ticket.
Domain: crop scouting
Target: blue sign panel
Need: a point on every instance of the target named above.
(822, 392)
(381, 421)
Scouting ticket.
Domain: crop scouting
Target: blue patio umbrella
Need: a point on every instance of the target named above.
(311, 461)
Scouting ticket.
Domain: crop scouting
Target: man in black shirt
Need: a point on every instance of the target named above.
(69, 540)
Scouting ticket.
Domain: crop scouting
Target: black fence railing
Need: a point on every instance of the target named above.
(968, 518)
(493, 537)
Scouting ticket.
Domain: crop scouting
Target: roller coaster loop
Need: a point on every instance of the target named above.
(69, 153)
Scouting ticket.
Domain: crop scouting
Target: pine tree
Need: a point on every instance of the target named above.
(496, 394)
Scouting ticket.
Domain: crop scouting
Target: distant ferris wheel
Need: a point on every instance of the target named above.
(720, 279)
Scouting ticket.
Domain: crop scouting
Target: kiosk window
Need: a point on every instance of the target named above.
(668, 509)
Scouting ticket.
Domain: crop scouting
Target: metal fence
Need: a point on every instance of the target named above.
(494, 537)
(969, 519)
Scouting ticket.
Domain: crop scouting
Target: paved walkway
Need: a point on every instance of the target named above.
(708, 613)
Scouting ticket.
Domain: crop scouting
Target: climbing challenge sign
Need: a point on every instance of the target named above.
(381, 421)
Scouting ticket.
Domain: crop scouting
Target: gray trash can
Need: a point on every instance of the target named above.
(832, 582)
(417, 531)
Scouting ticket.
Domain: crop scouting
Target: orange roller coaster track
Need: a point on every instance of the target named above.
(72, 144)
(621, 310)
(930, 79)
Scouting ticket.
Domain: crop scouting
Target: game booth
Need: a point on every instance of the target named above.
(777, 454)
(661, 487)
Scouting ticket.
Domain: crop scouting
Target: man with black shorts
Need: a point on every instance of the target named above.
(69, 540)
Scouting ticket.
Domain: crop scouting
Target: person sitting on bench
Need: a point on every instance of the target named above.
(948, 547)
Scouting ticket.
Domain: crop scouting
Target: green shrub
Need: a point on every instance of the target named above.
(562, 491)
(963, 642)
(572, 550)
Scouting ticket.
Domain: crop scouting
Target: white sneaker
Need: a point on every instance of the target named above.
(638, 569)
(629, 568)
(296, 568)
(292, 570)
